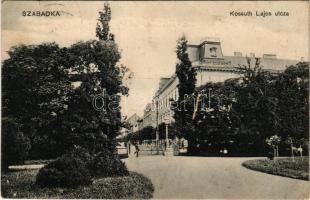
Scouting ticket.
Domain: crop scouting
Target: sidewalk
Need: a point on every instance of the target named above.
(25, 167)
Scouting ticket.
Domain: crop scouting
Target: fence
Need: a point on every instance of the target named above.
(151, 149)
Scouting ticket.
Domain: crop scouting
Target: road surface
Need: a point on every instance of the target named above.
(213, 177)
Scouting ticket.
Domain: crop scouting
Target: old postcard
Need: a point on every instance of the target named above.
(155, 99)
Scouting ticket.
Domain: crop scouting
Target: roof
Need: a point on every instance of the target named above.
(267, 63)
(134, 117)
(229, 63)
(163, 82)
(166, 84)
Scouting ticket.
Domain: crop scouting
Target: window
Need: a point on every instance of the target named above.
(213, 51)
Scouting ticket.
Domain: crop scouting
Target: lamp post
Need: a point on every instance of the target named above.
(167, 124)
(156, 131)
(157, 134)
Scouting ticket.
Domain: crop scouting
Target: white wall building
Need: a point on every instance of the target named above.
(134, 122)
(211, 66)
(148, 116)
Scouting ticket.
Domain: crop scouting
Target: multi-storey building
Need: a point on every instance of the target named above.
(167, 91)
(135, 123)
(211, 66)
(149, 116)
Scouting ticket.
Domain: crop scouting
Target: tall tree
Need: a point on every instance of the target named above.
(38, 97)
(96, 66)
(255, 106)
(292, 91)
(35, 89)
(213, 121)
(260, 104)
(103, 28)
(184, 70)
(186, 87)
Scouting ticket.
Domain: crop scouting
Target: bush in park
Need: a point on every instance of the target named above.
(69, 170)
(107, 164)
(78, 167)
(274, 142)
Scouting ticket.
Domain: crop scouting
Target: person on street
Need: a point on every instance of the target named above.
(137, 150)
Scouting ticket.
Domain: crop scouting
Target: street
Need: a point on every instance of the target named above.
(213, 177)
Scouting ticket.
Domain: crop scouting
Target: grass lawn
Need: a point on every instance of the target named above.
(298, 169)
(21, 184)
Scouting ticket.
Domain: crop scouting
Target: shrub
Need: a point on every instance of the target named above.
(134, 186)
(81, 154)
(78, 166)
(70, 170)
(270, 155)
(107, 164)
(20, 185)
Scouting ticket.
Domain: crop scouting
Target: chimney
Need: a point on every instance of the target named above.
(269, 56)
(238, 54)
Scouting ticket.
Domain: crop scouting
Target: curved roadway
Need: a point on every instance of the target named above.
(213, 177)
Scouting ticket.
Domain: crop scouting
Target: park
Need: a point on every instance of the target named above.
(218, 127)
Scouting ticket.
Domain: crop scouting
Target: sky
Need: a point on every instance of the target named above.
(146, 32)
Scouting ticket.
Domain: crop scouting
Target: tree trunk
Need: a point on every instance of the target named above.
(292, 152)
(300, 152)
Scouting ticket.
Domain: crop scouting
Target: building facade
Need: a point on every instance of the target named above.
(148, 116)
(135, 123)
(211, 66)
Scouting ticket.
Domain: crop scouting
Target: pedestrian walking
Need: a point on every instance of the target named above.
(137, 150)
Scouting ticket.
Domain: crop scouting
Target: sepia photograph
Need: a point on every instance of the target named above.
(155, 99)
